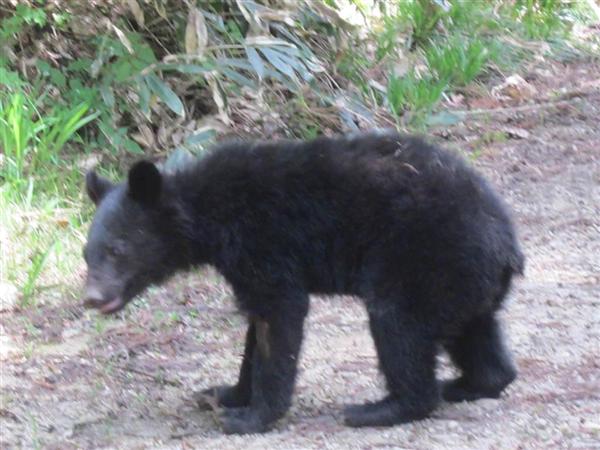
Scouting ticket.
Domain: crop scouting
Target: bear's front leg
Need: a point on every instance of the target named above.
(237, 395)
(273, 368)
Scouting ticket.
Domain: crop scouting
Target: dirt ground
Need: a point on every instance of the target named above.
(70, 379)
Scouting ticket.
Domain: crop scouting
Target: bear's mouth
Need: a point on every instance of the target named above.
(106, 306)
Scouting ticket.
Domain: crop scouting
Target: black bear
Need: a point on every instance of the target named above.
(406, 226)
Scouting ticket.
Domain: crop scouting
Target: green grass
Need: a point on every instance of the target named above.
(41, 249)
(414, 95)
(458, 61)
(454, 43)
(422, 16)
(541, 18)
(32, 140)
(40, 196)
(49, 121)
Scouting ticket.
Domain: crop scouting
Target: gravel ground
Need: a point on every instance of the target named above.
(127, 382)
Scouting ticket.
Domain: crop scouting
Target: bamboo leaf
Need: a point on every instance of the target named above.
(238, 78)
(144, 94)
(196, 33)
(200, 136)
(234, 62)
(137, 12)
(267, 41)
(256, 61)
(275, 59)
(124, 40)
(166, 94)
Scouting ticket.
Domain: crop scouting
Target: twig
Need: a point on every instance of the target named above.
(154, 376)
(513, 109)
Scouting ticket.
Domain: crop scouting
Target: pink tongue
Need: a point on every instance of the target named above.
(111, 306)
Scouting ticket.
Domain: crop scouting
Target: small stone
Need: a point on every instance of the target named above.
(9, 295)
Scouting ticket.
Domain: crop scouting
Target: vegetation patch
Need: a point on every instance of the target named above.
(86, 83)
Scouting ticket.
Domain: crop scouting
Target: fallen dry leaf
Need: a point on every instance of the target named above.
(514, 87)
(516, 132)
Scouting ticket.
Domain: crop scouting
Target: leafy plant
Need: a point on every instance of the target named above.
(17, 130)
(38, 260)
(31, 138)
(459, 61)
(414, 95)
(423, 16)
(541, 18)
(23, 16)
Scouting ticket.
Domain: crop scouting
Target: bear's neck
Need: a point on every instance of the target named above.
(200, 228)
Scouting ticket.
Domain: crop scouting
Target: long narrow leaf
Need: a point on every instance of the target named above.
(256, 61)
(234, 62)
(238, 78)
(297, 65)
(144, 94)
(275, 59)
(166, 94)
(73, 126)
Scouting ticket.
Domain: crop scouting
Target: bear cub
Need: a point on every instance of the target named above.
(409, 228)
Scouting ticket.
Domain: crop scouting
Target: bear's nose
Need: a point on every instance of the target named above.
(93, 296)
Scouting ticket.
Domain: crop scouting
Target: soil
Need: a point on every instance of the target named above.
(70, 379)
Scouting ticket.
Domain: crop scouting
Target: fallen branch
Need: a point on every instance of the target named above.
(514, 109)
(565, 99)
(154, 376)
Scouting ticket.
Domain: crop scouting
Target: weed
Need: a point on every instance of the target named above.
(423, 17)
(41, 244)
(174, 318)
(100, 324)
(32, 139)
(17, 130)
(413, 94)
(29, 350)
(459, 61)
(38, 260)
(541, 18)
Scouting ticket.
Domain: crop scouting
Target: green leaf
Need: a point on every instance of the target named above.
(107, 96)
(256, 61)
(200, 136)
(275, 59)
(234, 62)
(297, 65)
(144, 94)
(132, 146)
(166, 94)
(238, 78)
(289, 49)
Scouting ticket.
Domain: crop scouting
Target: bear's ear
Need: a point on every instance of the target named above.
(145, 182)
(96, 186)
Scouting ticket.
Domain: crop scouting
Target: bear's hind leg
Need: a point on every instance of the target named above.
(406, 351)
(481, 355)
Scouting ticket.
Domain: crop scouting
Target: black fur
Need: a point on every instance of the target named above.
(406, 226)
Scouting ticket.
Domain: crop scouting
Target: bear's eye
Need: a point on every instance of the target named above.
(116, 249)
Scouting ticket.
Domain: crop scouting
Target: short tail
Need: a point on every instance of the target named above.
(515, 266)
(517, 262)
